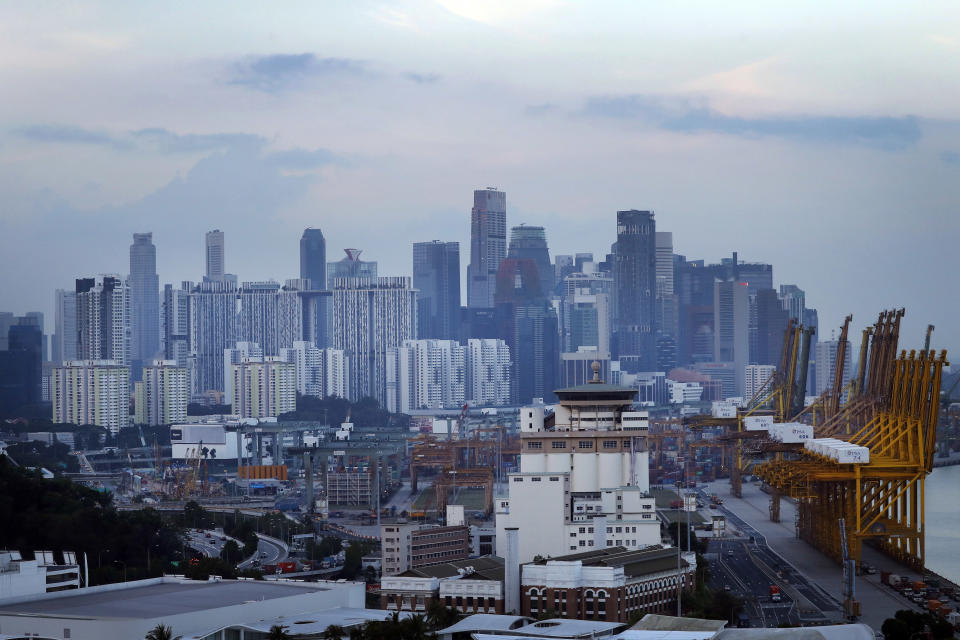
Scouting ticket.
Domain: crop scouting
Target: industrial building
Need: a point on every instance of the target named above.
(467, 586)
(195, 610)
(408, 546)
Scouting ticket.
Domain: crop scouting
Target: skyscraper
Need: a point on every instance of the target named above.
(161, 396)
(270, 315)
(176, 323)
(264, 387)
(65, 326)
(488, 245)
(826, 357)
(213, 328)
(350, 266)
(91, 392)
(793, 300)
(488, 372)
(531, 242)
(426, 373)
(731, 321)
(20, 365)
(215, 256)
(103, 319)
(635, 276)
(436, 277)
(313, 267)
(144, 302)
(371, 315)
(772, 321)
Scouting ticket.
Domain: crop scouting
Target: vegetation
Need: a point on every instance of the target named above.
(704, 602)
(906, 624)
(55, 457)
(676, 528)
(278, 632)
(415, 627)
(333, 410)
(161, 632)
(62, 516)
(196, 409)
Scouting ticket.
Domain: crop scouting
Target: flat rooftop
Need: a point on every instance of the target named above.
(157, 600)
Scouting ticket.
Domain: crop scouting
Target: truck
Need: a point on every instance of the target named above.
(775, 593)
(287, 566)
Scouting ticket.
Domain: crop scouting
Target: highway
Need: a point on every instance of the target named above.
(268, 552)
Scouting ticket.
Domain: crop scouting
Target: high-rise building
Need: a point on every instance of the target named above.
(161, 395)
(731, 321)
(350, 266)
(144, 301)
(488, 372)
(667, 305)
(103, 319)
(771, 324)
(21, 365)
(313, 267)
(370, 316)
(793, 300)
(213, 328)
(436, 277)
(584, 479)
(635, 278)
(320, 372)
(488, 246)
(757, 380)
(240, 352)
(270, 315)
(94, 392)
(215, 256)
(426, 374)
(531, 242)
(264, 387)
(65, 326)
(810, 319)
(175, 323)
(826, 351)
(577, 368)
(7, 320)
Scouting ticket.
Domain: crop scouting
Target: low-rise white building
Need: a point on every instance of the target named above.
(25, 578)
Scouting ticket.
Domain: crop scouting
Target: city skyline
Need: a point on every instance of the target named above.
(788, 147)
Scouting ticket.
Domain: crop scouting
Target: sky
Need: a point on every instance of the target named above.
(821, 137)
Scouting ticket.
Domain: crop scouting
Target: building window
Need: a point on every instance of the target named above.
(626, 444)
(534, 445)
(554, 478)
(583, 530)
(518, 479)
(559, 444)
(585, 444)
(609, 444)
(535, 479)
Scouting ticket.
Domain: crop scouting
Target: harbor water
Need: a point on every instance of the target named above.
(943, 522)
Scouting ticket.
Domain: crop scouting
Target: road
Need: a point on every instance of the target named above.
(211, 547)
(267, 553)
(731, 565)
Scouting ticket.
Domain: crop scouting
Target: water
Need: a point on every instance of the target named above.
(943, 522)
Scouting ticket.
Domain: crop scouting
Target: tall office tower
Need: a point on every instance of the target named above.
(371, 315)
(488, 246)
(65, 326)
(161, 396)
(488, 372)
(586, 320)
(436, 277)
(772, 321)
(667, 305)
(635, 278)
(810, 320)
(175, 323)
(93, 392)
(235, 355)
(583, 477)
(793, 300)
(103, 319)
(270, 315)
(21, 365)
(215, 256)
(213, 328)
(576, 368)
(264, 387)
(426, 374)
(7, 320)
(313, 267)
(35, 318)
(562, 267)
(664, 246)
(731, 321)
(827, 366)
(531, 243)
(757, 380)
(320, 372)
(144, 301)
(527, 322)
(350, 266)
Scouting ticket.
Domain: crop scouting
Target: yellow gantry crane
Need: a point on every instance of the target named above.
(891, 410)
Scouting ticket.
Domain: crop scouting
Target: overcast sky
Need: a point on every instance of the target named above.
(822, 137)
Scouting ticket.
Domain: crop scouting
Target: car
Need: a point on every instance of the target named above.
(726, 587)
(729, 553)
(263, 554)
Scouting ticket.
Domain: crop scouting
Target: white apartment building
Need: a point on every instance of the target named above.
(162, 395)
(488, 372)
(238, 353)
(584, 470)
(426, 374)
(264, 387)
(213, 322)
(92, 392)
(756, 379)
(103, 319)
(270, 315)
(320, 372)
(827, 365)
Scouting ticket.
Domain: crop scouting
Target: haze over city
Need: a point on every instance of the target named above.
(818, 138)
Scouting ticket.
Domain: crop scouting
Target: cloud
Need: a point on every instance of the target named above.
(536, 110)
(422, 78)
(275, 72)
(68, 134)
(950, 157)
(170, 142)
(303, 159)
(696, 116)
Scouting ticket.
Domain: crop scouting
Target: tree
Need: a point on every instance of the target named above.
(334, 632)
(353, 560)
(161, 632)
(439, 616)
(894, 629)
(232, 552)
(278, 632)
(414, 628)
